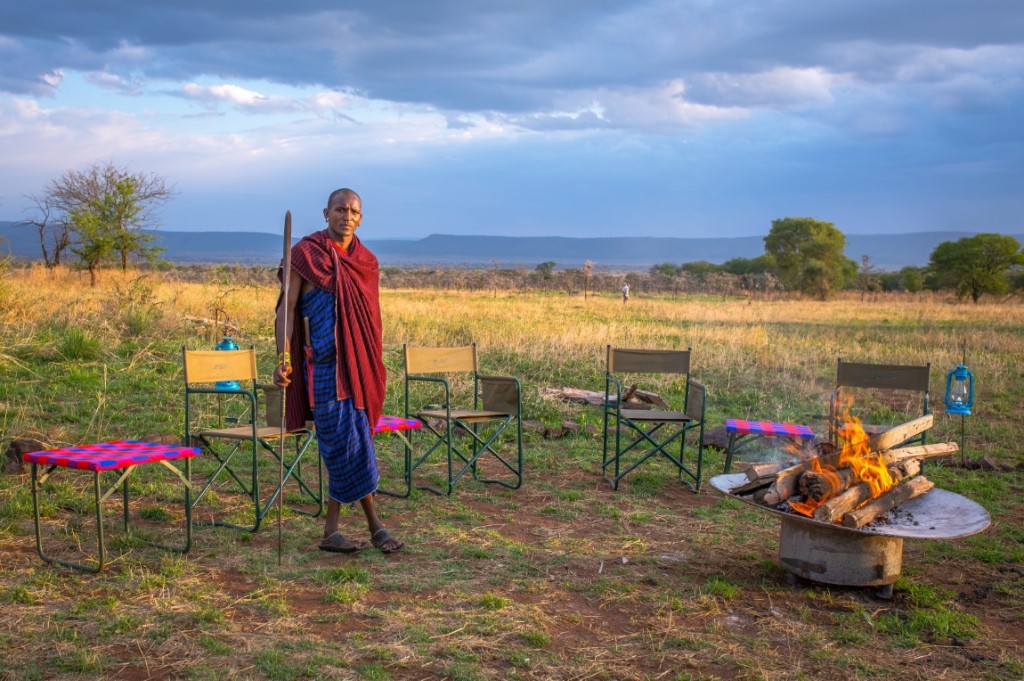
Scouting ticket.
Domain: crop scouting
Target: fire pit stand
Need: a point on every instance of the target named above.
(871, 555)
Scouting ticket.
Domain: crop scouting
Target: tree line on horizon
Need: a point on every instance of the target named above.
(105, 215)
(807, 255)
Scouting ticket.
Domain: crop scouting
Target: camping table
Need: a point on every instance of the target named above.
(742, 432)
(108, 456)
(397, 426)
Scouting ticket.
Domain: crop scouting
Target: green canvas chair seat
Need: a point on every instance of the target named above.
(430, 376)
(239, 450)
(634, 436)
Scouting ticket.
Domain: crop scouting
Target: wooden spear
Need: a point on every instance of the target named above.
(284, 359)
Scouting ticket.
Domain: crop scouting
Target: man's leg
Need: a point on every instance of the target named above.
(333, 539)
(389, 544)
(331, 520)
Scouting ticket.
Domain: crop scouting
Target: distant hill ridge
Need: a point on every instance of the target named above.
(887, 251)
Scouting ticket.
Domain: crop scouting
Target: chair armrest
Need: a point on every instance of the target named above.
(426, 379)
(617, 404)
(410, 378)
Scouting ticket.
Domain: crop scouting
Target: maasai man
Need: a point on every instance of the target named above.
(340, 383)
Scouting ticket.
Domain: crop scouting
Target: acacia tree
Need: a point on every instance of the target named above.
(95, 245)
(977, 264)
(53, 228)
(808, 255)
(108, 203)
(867, 277)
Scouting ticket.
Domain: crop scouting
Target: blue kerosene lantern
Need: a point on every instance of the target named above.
(228, 343)
(959, 391)
(960, 396)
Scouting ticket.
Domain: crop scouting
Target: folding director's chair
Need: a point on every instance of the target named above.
(497, 406)
(632, 435)
(246, 439)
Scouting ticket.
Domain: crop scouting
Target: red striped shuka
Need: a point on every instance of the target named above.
(353, 277)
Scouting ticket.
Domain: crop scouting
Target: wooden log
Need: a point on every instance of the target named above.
(764, 470)
(651, 398)
(826, 485)
(900, 433)
(787, 482)
(834, 509)
(821, 485)
(752, 485)
(920, 452)
(887, 501)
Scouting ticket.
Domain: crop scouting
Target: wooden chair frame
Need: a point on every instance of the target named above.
(497, 402)
(655, 429)
(909, 378)
(205, 367)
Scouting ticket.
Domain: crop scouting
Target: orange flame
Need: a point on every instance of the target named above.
(855, 453)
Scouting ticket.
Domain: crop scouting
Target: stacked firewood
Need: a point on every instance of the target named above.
(829, 490)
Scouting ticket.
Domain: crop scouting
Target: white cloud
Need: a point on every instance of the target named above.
(53, 78)
(781, 87)
(662, 108)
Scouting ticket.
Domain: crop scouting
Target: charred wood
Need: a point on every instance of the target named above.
(834, 509)
(911, 489)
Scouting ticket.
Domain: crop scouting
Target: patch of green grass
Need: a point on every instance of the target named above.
(76, 344)
(277, 665)
(207, 614)
(214, 646)
(923, 595)
(478, 552)
(463, 671)
(123, 624)
(373, 672)
(155, 513)
(721, 587)
(94, 605)
(344, 574)
(535, 638)
(81, 661)
(494, 602)
(344, 594)
(909, 629)
(21, 595)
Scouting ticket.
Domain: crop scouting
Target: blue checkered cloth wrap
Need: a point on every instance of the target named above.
(343, 433)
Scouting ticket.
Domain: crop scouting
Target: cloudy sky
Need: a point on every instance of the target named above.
(529, 117)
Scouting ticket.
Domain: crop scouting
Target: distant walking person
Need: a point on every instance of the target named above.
(625, 293)
(340, 384)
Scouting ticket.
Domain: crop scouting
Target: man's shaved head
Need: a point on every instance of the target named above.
(343, 192)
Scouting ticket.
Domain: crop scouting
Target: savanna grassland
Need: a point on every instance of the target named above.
(560, 579)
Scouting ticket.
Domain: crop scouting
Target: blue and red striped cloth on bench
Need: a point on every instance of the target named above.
(768, 428)
(390, 424)
(108, 456)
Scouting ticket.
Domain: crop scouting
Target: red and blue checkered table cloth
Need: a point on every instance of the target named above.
(768, 428)
(391, 424)
(108, 456)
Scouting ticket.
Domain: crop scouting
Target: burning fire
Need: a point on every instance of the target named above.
(855, 453)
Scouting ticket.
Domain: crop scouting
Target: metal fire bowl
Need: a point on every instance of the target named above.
(936, 514)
